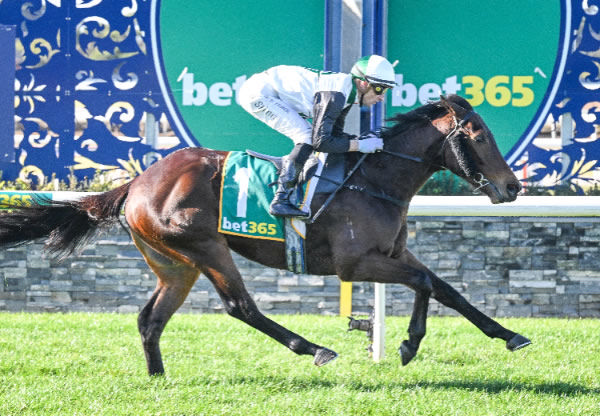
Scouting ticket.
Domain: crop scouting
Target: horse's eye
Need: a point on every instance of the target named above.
(480, 138)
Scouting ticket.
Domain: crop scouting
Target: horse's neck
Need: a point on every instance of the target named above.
(396, 177)
(400, 177)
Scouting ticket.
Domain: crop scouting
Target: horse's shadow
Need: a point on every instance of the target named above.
(487, 386)
(490, 386)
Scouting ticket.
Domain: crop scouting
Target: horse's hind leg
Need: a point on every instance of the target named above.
(224, 275)
(154, 317)
(175, 281)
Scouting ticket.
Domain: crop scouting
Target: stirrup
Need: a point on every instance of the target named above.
(286, 209)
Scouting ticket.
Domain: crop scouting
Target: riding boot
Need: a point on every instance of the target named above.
(288, 178)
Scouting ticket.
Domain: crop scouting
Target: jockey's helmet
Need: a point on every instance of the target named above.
(374, 69)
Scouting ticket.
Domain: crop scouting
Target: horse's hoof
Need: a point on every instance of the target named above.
(407, 352)
(517, 342)
(324, 356)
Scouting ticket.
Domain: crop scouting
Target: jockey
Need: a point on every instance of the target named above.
(284, 97)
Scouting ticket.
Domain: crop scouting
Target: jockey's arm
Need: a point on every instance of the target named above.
(328, 123)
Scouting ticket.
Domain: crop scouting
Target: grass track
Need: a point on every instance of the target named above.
(92, 364)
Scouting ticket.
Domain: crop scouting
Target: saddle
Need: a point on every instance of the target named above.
(329, 177)
(328, 171)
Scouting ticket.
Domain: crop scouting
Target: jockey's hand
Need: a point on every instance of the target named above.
(369, 143)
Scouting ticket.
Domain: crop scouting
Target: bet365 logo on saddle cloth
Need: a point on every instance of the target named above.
(245, 198)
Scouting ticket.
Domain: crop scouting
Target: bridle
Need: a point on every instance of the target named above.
(458, 129)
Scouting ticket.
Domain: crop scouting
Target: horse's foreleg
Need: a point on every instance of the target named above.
(409, 271)
(416, 329)
(448, 296)
(405, 270)
(418, 321)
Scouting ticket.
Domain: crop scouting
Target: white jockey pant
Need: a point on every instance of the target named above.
(258, 98)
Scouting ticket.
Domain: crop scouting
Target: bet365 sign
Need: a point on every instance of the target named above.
(208, 50)
(498, 91)
(504, 57)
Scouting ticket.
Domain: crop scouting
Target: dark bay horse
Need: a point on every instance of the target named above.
(172, 211)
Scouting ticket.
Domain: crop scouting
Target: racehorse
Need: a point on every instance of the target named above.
(172, 212)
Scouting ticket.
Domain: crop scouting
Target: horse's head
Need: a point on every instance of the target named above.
(470, 151)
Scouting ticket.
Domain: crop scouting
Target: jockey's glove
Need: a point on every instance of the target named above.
(368, 143)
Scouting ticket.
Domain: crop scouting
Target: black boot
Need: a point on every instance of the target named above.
(288, 178)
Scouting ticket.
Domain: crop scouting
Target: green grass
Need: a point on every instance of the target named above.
(92, 364)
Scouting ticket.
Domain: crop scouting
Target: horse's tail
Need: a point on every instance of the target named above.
(66, 225)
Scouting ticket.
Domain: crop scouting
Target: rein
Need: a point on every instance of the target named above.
(482, 181)
(330, 197)
(364, 189)
(403, 156)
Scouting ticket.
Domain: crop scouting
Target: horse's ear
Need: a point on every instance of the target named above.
(447, 105)
(444, 124)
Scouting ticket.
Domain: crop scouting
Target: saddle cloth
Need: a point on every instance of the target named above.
(248, 186)
(245, 198)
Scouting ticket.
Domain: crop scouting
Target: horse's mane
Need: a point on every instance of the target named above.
(421, 116)
(415, 118)
(424, 115)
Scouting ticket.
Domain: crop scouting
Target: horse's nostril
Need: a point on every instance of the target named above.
(514, 188)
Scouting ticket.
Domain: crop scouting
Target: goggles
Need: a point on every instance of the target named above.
(379, 89)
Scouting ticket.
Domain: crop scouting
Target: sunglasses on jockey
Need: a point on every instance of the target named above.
(379, 89)
(378, 86)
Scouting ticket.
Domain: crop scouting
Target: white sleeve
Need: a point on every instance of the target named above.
(336, 82)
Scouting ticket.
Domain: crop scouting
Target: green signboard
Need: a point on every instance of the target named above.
(24, 198)
(209, 49)
(501, 55)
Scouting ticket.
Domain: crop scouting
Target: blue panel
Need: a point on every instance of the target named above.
(373, 42)
(333, 35)
(83, 83)
(7, 82)
(576, 163)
